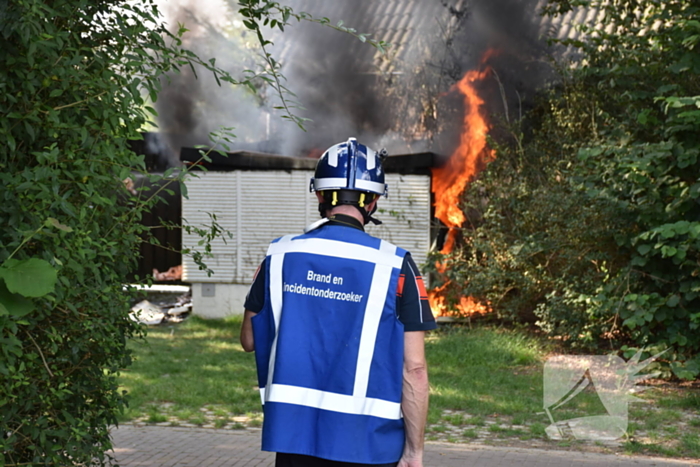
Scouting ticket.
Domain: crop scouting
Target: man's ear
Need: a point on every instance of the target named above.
(319, 195)
(370, 207)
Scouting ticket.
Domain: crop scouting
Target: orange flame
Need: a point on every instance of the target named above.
(450, 181)
(467, 306)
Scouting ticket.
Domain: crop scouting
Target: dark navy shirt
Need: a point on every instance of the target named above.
(412, 306)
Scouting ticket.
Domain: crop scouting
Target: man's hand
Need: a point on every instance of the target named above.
(406, 461)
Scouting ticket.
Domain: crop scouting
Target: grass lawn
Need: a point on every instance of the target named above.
(184, 372)
(486, 387)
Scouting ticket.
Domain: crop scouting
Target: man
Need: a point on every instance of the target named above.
(337, 320)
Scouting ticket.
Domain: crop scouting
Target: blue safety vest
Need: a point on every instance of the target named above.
(329, 347)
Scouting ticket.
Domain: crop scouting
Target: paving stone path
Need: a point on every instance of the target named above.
(155, 446)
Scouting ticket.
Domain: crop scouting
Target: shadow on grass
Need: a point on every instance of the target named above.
(485, 371)
(190, 365)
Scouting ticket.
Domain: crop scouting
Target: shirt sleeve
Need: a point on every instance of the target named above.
(412, 306)
(255, 300)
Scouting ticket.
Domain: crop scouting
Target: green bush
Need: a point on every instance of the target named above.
(72, 84)
(538, 250)
(658, 184)
(589, 220)
(640, 71)
(76, 81)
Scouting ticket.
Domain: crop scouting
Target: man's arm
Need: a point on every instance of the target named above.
(247, 332)
(414, 400)
(253, 304)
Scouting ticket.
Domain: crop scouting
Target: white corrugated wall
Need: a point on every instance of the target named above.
(405, 214)
(256, 207)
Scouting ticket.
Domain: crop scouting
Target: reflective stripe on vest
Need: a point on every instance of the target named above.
(385, 259)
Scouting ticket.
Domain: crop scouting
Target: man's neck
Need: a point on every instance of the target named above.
(345, 220)
(347, 211)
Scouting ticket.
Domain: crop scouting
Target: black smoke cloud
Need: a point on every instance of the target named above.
(192, 104)
(402, 101)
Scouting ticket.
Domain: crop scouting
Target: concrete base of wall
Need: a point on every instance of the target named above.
(210, 300)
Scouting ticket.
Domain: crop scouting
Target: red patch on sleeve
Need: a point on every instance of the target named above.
(421, 288)
(399, 289)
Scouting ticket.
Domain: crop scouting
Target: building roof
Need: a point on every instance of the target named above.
(408, 25)
(402, 23)
(418, 163)
(566, 26)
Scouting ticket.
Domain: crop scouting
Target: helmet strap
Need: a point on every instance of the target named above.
(323, 207)
(367, 216)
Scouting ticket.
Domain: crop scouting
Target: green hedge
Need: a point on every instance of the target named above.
(73, 74)
(588, 224)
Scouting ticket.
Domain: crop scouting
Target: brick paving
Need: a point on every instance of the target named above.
(155, 446)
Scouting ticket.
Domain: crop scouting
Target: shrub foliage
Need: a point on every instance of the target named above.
(76, 81)
(590, 226)
(72, 86)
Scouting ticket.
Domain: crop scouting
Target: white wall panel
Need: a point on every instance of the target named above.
(259, 206)
(405, 214)
(275, 203)
(211, 193)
